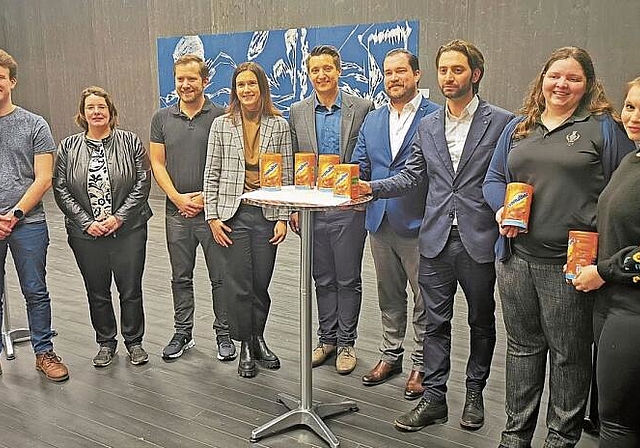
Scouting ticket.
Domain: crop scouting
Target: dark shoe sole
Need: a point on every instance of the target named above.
(55, 380)
(247, 373)
(471, 426)
(412, 395)
(407, 428)
(187, 346)
(391, 374)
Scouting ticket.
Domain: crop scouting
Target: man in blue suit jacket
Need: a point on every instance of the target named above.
(452, 151)
(384, 143)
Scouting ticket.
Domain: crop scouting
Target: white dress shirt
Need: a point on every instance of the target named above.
(456, 131)
(399, 123)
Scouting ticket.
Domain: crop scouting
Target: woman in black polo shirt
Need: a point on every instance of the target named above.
(566, 145)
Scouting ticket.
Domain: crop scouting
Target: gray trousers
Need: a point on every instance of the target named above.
(396, 259)
(543, 315)
(184, 235)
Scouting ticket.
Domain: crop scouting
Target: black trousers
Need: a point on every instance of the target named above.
(438, 278)
(122, 258)
(247, 266)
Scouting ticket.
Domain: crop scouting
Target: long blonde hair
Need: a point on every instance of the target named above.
(594, 99)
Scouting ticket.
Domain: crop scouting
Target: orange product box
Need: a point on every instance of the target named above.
(326, 173)
(582, 251)
(271, 171)
(305, 170)
(346, 182)
(517, 205)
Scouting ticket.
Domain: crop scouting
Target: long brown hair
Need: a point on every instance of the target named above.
(594, 99)
(266, 104)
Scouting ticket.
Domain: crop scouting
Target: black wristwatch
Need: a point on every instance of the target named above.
(18, 214)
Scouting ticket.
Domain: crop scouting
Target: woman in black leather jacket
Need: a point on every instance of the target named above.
(101, 184)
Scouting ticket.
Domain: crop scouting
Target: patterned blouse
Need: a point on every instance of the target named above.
(98, 184)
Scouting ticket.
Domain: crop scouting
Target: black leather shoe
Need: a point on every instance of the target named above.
(264, 355)
(426, 413)
(247, 364)
(473, 413)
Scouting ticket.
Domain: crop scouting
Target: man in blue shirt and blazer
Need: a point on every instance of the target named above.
(452, 151)
(328, 122)
(384, 143)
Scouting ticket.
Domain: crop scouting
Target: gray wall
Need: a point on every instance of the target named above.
(65, 45)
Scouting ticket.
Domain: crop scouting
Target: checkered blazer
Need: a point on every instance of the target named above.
(225, 166)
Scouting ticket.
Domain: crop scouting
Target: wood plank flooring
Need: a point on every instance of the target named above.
(198, 401)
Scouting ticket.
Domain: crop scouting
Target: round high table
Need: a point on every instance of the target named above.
(305, 411)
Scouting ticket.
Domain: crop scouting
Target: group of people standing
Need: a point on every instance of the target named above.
(438, 176)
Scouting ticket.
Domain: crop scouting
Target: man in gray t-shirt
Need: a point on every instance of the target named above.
(26, 166)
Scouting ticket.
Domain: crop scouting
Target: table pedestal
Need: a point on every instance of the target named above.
(304, 411)
(9, 336)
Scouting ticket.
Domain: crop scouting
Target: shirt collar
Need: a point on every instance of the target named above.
(337, 104)
(468, 110)
(412, 105)
(206, 107)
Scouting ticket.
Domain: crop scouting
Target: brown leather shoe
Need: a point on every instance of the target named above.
(414, 389)
(381, 373)
(52, 366)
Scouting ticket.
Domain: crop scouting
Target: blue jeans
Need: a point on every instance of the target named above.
(28, 245)
(184, 235)
(543, 315)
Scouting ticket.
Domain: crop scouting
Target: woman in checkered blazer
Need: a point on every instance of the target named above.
(247, 235)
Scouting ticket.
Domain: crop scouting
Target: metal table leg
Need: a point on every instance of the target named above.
(304, 411)
(9, 336)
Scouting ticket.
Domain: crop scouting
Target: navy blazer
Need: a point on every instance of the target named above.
(373, 154)
(450, 192)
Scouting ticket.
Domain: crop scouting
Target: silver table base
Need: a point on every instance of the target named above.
(304, 411)
(9, 336)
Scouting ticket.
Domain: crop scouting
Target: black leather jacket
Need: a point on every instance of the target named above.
(129, 174)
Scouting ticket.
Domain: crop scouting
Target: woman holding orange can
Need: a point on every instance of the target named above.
(248, 235)
(566, 145)
(617, 276)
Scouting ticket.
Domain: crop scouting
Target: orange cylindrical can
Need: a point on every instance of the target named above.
(271, 171)
(305, 169)
(517, 205)
(346, 182)
(582, 251)
(326, 173)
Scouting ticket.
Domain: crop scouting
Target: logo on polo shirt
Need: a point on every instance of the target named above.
(572, 138)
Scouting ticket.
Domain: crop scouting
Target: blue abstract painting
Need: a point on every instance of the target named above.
(283, 53)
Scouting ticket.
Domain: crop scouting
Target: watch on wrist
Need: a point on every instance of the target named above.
(19, 214)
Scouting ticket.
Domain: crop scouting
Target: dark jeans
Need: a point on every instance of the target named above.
(28, 245)
(543, 315)
(338, 245)
(122, 258)
(184, 235)
(248, 266)
(439, 278)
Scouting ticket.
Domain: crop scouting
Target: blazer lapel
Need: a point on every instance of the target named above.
(479, 125)
(408, 138)
(310, 121)
(237, 141)
(436, 128)
(265, 134)
(345, 126)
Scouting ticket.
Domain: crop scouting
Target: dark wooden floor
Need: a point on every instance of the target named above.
(198, 401)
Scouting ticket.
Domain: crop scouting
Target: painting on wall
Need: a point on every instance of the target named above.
(283, 53)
